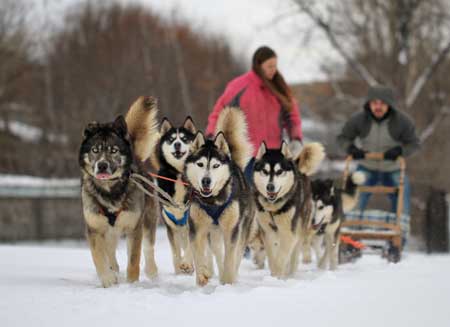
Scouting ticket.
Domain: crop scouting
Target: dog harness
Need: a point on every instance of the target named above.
(179, 222)
(111, 216)
(215, 211)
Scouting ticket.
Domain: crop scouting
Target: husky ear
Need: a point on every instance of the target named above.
(199, 141)
(189, 125)
(90, 129)
(165, 126)
(261, 151)
(222, 144)
(285, 150)
(120, 126)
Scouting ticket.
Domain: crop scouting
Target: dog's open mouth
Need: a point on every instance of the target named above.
(272, 195)
(103, 176)
(178, 154)
(205, 192)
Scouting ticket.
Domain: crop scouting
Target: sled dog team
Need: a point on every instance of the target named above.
(209, 208)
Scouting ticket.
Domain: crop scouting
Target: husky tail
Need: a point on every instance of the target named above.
(310, 158)
(350, 192)
(142, 126)
(233, 125)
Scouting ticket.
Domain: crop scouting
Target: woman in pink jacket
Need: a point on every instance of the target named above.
(267, 102)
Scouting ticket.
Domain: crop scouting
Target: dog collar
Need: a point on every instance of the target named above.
(179, 222)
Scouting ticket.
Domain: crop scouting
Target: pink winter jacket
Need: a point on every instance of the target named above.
(262, 110)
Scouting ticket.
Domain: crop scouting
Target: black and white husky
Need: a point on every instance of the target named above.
(222, 209)
(283, 201)
(329, 205)
(172, 150)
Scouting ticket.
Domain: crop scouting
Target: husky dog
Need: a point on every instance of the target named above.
(222, 208)
(282, 193)
(112, 204)
(172, 151)
(329, 205)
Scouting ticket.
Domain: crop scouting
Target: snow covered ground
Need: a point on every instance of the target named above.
(54, 284)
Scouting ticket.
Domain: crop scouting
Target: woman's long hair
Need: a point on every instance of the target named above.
(277, 85)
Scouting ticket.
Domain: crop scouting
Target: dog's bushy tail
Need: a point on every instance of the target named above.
(142, 126)
(350, 192)
(310, 158)
(233, 125)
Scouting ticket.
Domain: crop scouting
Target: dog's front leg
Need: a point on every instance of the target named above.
(334, 257)
(229, 224)
(230, 259)
(283, 259)
(216, 244)
(186, 264)
(199, 242)
(98, 245)
(317, 242)
(326, 254)
(293, 265)
(112, 240)
(175, 247)
(307, 248)
(134, 246)
(150, 222)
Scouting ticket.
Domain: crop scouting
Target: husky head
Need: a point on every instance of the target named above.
(323, 196)
(106, 152)
(274, 172)
(208, 167)
(175, 142)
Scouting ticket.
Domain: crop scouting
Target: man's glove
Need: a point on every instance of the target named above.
(393, 153)
(356, 152)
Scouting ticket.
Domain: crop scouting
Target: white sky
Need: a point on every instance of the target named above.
(246, 24)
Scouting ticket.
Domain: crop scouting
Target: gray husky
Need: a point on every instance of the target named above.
(283, 200)
(112, 204)
(222, 210)
(172, 150)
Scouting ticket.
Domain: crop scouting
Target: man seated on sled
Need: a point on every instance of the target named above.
(380, 127)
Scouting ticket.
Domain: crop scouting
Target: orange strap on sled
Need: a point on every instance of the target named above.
(349, 240)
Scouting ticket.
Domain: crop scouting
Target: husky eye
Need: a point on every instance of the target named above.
(265, 172)
(279, 172)
(215, 166)
(114, 150)
(184, 139)
(200, 164)
(321, 207)
(94, 149)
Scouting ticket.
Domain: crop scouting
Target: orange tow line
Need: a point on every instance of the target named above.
(349, 240)
(166, 178)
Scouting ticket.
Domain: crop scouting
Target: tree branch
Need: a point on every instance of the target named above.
(429, 130)
(326, 28)
(426, 76)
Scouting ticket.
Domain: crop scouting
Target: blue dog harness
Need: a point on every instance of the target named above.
(215, 211)
(179, 222)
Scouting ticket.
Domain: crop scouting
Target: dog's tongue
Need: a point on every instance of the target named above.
(103, 176)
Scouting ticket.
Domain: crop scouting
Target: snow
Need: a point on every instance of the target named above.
(54, 284)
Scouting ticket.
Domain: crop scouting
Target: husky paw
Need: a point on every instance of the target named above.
(202, 280)
(185, 268)
(108, 279)
(132, 275)
(151, 271)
